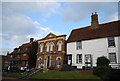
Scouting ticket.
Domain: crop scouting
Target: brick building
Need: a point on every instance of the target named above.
(19, 57)
(51, 52)
(5, 62)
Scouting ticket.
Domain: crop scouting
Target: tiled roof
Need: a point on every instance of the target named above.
(22, 48)
(104, 30)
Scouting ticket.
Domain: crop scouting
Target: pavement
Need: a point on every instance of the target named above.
(4, 78)
(15, 79)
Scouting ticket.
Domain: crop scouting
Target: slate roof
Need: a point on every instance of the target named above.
(87, 33)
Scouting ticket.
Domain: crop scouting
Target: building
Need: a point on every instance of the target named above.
(86, 44)
(51, 52)
(19, 57)
(5, 62)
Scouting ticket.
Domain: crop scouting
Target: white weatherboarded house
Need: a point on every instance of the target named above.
(86, 44)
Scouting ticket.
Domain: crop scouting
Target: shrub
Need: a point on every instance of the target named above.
(102, 61)
(103, 69)
(102, 72)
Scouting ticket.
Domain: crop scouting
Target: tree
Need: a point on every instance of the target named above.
(32, 56)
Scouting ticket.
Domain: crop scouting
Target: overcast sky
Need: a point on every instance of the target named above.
(23, 20)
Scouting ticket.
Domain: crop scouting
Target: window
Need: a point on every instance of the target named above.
(18, 56)
(24, 54)
(41, 48)
(18, 50)
(112, 58)
(59, 46)
(79, 45)
(11, 56)
(51, 47)
(40, 58)
(59, 61)
(47, 48)
(88, 58)
(79, 59)
(111, 42)
(26, 48)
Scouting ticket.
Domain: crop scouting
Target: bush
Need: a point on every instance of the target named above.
(103, 69)
(102, 61)
(103, 72)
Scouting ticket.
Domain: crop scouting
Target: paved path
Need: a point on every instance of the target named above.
(15, 79)
(11, 79)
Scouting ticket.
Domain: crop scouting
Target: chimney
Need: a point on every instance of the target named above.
(94, 20)
(31, 40)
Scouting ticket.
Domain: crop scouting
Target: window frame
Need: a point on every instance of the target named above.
(78, 45)
(78, 59)
(51, 47)
(41, 48)
(111, 58)
(59, 45)
(111, 42)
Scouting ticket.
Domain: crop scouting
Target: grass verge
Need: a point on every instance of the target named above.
(63, 75)
(17, 75)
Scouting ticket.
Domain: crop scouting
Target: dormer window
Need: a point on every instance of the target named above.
(111, 42)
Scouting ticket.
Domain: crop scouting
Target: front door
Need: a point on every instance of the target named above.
(48, 62)
(88, 61)
(69, 57)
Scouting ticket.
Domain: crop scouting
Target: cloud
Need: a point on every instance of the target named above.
(46, 8)
(78, 11)
(17, 28)
(4, 50)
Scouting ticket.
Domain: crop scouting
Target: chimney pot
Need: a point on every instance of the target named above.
(31, 40)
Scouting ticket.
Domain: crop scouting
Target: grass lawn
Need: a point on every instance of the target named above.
(17, 75)
(63, 75)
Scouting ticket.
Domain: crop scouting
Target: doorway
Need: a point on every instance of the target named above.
(48, 61)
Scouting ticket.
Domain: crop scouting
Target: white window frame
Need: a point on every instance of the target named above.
(41, 48)
(78, 45)
(112, 58)
(59, 44)
(79, 58)
(51, 47)
(111, 42)
(47, 48)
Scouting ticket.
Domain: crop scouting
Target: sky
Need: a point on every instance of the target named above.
(23, 20)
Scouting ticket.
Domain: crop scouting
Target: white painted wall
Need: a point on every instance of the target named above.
(95, 47)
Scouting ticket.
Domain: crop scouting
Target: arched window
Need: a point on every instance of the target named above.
(47, 47)
(51, 46)
(59, 44)
(41, 47)
(40, 58)
(58, 60)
